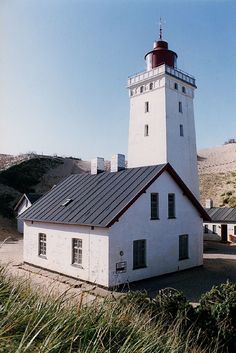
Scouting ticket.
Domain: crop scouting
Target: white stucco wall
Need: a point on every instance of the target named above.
(164, 143)
(162, 235)
(59, 250)
(217, 235)
(22, 207)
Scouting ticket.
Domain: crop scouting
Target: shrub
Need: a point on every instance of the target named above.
(217, 313)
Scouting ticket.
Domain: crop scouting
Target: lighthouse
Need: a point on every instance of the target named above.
(161, 126)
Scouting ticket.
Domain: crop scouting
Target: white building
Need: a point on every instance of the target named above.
(127, 225)
(114, 228)
(161, 127)
(22, 205)
(222, 226)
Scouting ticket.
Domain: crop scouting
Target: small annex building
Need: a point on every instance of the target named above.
(23, 204)
(113, 228)
(222, 226)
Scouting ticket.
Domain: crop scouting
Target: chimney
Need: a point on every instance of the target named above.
(117, 162)
(209, 203)
(97, 165)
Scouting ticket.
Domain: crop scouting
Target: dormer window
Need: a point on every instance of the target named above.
(66, 202)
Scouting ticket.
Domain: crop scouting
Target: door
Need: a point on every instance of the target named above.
(224, 232)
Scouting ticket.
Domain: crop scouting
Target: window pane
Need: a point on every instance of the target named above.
(183, 246)
(42, 244)
(154, 206)
(77, 251)
(171, 205)
(139, 253)
(181, 130)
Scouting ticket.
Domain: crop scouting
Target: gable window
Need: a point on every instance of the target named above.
(183, 89)
(180, 107)
(151, 86)
(77, 251)
(139, 254)
(42, 245)
(234, 230)
(146, 107)
(206, 228)
(214, 229)
(154, 206)
(181, 130)
(146, 130)
(183, 247)
(171, 205)
(176, 85)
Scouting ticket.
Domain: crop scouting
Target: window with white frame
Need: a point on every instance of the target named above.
(183, 247)
(146, 107)
(139, 254)
(42, 245)
(171, 205)
(77, 251)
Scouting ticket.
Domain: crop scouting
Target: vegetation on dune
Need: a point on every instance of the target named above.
(24, 176)
(32, 322)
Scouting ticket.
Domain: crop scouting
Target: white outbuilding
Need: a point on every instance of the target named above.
(115, 228)
(22, 205)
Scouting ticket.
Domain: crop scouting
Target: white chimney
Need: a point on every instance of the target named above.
(97, 165)
(117, 162)
(209, 203)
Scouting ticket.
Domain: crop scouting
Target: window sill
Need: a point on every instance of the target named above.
(139, 268)
(77, 266)
(43, 257)
(184, 258)
(171, 217)
(154, 219)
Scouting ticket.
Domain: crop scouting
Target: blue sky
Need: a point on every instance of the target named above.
(64, 66)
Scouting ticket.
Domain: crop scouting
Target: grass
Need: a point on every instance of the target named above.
(36, 323)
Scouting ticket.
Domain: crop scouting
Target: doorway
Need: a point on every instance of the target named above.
(224, 233)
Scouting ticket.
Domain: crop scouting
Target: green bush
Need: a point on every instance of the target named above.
(217, 313)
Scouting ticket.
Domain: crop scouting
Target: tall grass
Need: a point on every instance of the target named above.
(36, 323)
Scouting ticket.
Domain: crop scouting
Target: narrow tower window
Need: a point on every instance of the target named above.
(151, 86)
(146, 132)
(181, 130)
(180, 107)
(183, 89)
(176, 85)
(146, 107)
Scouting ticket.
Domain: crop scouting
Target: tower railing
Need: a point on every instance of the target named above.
(179, 74)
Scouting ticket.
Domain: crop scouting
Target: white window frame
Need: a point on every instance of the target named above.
(77, 252)
(42, 245)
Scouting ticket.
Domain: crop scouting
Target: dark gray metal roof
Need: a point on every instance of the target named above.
(99, 200)
(96, 199)
(225, 214)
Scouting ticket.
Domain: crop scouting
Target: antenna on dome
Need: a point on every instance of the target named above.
(161, 22)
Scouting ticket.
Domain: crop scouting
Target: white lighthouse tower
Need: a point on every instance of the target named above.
(161, 127)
